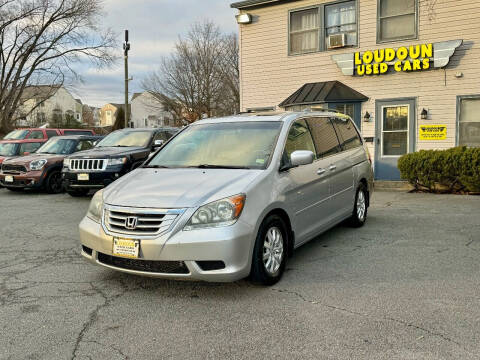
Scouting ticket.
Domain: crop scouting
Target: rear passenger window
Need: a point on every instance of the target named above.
(324, 137)
(84, 145)
(299, 138)
(347, 133)
(36, 134)
(51, 133)
(162, 135)
(77, 132)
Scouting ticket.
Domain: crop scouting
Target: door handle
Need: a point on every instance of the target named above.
(332, 167)
(321, 171)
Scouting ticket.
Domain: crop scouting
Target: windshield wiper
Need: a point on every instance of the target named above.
(209, 166)
(155, 167)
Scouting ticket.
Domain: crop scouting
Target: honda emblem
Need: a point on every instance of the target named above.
(131, 222)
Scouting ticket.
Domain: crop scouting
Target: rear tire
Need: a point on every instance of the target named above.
(270, 252)
(54, 183)
(78, 192)
(360, 209)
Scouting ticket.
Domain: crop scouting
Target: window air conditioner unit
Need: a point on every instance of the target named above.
(336, 41)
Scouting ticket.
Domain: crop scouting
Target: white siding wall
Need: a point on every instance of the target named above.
(269, 75)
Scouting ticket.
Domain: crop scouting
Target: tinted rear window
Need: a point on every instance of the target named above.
(77, 132)
(324, 137)
(51, 133)
(347, 133)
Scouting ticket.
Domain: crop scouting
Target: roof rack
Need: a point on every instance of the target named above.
(319, 108)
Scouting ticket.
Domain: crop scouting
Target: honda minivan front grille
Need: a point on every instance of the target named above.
(138, 221)
(88, 164)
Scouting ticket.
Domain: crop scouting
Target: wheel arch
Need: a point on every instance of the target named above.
(286, 218)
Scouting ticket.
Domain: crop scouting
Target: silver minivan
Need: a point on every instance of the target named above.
(232, 197)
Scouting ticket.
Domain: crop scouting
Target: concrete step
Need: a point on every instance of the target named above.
(381, 185)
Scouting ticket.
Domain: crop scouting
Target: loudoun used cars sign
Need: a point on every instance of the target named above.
(404, 59)
(412, 58)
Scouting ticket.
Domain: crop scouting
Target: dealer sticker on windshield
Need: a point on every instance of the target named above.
(126, 247)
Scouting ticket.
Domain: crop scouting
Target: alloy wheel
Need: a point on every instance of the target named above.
(273, 250)
(361, 205)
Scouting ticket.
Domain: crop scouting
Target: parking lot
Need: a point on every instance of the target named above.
(405, 286)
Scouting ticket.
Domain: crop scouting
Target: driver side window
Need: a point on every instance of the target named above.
(299, 138)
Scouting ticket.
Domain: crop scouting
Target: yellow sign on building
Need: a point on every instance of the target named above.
(433, 132)
(403, 59)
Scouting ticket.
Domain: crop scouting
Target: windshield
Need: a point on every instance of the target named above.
(57, 146)
(224, 145)
(127, 138)
(16, 135)
(8, 149)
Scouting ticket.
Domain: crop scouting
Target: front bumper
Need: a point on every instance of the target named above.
(231, 245)
(29, 180)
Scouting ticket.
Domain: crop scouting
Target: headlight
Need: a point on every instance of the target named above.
(96, 207)
(224, 212)
(37, 164)
(66, 163)
(117, 161)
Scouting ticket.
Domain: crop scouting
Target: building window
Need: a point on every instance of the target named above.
(304, 31)
(309, 29)
(396, 20)
(469, 121)
(341, 19)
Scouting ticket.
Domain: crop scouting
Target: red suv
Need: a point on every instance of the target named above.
(25, 141)
(44, 134)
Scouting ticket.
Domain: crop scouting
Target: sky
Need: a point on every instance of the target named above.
(154, 26)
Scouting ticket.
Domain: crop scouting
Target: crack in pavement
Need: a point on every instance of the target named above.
(364, 315)
(93, 316)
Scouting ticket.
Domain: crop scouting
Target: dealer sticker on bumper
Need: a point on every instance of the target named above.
(83, 177)
(126, 248)
(8, 178)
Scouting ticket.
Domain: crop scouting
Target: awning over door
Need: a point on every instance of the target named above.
(323, 92)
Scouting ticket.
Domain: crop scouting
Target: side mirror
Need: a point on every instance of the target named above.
(158, 143)
(301, 157)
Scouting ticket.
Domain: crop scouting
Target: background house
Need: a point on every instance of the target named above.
(54, 105)
(148, 112)
(109, 113)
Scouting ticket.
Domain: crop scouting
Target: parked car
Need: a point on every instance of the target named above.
(114, 156)
(44, 134)
(15, 148)
(25, 141)
(42, 170)
(232, 197)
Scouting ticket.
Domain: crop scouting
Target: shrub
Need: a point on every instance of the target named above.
(456, 169)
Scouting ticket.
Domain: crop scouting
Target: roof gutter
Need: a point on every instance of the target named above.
(249, 3)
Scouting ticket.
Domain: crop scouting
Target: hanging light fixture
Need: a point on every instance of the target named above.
(367, 117)
(424, 114)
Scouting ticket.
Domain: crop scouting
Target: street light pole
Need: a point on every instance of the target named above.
(126, 48)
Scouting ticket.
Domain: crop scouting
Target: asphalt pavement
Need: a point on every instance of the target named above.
(405, 286)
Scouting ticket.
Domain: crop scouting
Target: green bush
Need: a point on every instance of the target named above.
(453, 170)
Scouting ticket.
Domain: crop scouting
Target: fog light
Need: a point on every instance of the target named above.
(116, 175)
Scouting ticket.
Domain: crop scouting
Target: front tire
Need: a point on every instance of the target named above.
(270, 252)
(360, 209)
(54, 183)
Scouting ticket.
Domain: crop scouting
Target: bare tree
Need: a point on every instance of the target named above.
(200, 77)
(40, 41)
